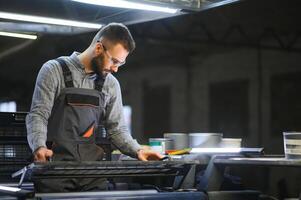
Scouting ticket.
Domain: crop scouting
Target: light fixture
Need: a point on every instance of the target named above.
(18, 35)
(128, 4)
(16, 192)
(9, 189)
(48, 20)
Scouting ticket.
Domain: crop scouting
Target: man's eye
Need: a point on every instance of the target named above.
(115, 61)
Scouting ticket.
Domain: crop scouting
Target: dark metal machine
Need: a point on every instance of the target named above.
(14, 150)
(184, 176)
(177, 169)
(15, 154)
(67, 169)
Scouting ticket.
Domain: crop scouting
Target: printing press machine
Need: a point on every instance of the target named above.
(16, 160)
(175, 178)
(177, 169)
(183, 170)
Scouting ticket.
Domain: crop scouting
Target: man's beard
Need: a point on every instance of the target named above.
(97, 65)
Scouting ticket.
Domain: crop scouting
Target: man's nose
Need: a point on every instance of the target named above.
(114, 68)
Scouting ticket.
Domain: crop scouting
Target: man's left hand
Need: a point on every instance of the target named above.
(145, 155)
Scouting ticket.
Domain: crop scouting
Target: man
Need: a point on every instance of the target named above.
(72, 96)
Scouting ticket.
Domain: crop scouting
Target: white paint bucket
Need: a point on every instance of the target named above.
(204, 140)
(180, 140)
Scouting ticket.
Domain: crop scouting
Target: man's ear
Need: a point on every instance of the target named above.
(98, 48)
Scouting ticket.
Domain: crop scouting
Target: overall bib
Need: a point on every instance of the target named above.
(72, 130)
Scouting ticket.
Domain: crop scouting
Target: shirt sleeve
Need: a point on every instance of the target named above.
(115, 124)
(42, 102)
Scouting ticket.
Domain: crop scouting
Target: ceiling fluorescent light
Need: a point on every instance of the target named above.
(18, 35)
(48, 20)
(10, 189)
(130, 5)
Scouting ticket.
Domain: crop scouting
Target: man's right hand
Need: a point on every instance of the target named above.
(42, 154)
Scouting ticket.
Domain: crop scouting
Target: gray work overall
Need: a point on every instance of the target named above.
(71, 128)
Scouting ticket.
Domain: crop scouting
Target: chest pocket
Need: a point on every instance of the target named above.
(83, 113)
(82, 100)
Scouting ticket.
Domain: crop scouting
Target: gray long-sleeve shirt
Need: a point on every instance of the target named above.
(48, 86)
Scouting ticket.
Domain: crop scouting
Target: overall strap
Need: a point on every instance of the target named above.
(66, 73)
(99, 81)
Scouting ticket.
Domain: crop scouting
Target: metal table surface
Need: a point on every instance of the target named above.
(214, 172)
(260, 161)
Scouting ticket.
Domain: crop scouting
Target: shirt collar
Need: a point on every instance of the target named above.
(74, 59)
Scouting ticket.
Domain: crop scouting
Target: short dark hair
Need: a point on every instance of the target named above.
(116, 33)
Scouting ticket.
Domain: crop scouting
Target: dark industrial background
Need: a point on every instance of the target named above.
(233, 69)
